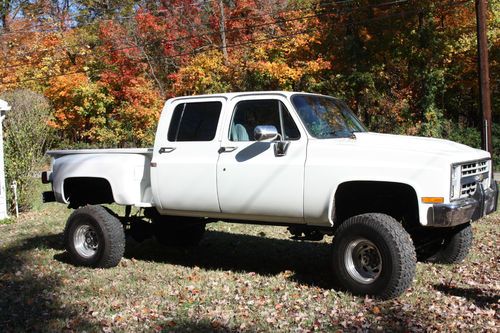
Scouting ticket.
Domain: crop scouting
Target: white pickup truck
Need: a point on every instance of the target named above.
(281, 158)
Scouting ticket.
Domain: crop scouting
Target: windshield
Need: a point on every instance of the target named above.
(326, 117)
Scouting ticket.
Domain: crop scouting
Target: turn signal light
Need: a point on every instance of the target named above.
(432, 200)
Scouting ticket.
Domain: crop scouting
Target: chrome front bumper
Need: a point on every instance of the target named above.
(482, 203)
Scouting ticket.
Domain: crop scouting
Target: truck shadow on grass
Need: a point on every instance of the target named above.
(29, 291)
(306, 262)
(32, 294)
(482, 298)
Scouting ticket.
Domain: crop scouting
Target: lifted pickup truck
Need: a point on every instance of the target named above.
(281, 158)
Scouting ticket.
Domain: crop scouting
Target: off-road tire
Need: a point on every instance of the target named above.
(178, 231)
(105, 228)
(393, 248)
(455, 247)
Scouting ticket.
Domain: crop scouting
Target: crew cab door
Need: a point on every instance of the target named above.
(252, 181)
(184, 162)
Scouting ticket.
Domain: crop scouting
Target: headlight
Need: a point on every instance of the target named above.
(456, 176)
(490, 174)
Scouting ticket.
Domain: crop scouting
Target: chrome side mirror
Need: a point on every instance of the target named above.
(269, 132)
(265, 132)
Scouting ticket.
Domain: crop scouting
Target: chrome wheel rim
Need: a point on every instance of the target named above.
(363, 261)
(86, 241)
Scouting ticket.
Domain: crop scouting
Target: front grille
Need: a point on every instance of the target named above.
(468, 189)
(474, 168)
(472, 174)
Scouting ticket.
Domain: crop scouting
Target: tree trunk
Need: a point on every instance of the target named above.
(4, 14)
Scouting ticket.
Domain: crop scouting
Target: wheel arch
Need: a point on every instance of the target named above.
(80, 191)
(395, 199)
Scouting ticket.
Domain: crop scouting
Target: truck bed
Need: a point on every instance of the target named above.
(88, 173)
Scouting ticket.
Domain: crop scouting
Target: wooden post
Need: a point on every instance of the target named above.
(484, 73)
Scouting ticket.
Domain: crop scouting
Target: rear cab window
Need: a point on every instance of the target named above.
(194, 121)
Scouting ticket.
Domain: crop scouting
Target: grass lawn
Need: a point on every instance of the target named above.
(241, 278)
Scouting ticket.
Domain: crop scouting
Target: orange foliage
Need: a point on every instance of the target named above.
(107, 80)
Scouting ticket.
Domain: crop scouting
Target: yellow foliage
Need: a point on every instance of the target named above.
(205, 73)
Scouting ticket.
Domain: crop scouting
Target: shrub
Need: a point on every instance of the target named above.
(471, 136)
(26, 136)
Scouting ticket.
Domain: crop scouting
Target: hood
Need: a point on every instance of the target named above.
(410, 147)
(414, 143)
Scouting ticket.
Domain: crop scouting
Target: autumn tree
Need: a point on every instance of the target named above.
(404, 67)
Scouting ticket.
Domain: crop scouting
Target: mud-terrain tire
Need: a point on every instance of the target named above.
(178, 231)
(455, 246)
(373, 255)
(94, 237)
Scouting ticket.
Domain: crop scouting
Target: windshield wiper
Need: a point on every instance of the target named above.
(339, 134)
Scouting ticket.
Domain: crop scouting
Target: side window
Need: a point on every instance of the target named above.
(194, 121)
(291, 130)
(250, 114)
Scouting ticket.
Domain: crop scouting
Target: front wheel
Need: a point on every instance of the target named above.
(94, 237)
(373, 255)
(455, 246)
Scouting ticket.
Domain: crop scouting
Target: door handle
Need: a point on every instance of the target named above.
(166, 150)
(227, 149)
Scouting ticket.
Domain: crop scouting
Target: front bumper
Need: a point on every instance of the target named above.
(482, 203)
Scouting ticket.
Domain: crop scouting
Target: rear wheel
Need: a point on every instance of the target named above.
(373, 255)
(94, 237)
(178, 231)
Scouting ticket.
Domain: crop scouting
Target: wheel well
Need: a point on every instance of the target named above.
(395, 199)
(80, 191)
